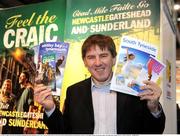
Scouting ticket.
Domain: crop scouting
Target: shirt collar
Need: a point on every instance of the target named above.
(101, 88)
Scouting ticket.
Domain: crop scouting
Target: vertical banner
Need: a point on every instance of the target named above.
(168, 80)
(23, 30)
(139, 19)
(178, 81)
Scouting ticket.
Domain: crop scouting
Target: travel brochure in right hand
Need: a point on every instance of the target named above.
(136, 61)
(51, 60)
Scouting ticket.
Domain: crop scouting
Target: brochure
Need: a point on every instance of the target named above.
(51, 63)
(136, 61)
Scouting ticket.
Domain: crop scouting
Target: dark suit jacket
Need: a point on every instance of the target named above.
(133, 116)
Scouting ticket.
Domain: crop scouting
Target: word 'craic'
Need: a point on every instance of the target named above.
(24, 32)
(25, 37)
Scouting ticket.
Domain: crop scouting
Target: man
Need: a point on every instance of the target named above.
(24, 98)
(25, 94)
(91, 107)
(6, 103)
(58, 64)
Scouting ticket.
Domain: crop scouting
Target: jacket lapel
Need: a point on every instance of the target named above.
(88, 98)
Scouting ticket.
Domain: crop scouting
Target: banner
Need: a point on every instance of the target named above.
(23, 30)
(139, 19)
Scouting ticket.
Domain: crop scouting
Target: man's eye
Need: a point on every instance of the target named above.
(90, 57)
(103, 56)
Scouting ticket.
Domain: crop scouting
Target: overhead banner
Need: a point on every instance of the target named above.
(110, 17)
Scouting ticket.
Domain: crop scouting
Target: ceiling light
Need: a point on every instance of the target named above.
(176, 6)
(178, 19)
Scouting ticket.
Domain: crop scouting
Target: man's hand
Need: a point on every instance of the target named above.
(43, 96)
(151, 93)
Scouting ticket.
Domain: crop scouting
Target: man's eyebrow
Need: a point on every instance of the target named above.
(104, 53)
(90, 55)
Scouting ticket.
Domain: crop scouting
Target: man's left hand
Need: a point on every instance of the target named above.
(151, 93)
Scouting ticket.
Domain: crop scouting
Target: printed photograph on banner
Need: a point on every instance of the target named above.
(42, 64)
(136, 61)
(19, 112)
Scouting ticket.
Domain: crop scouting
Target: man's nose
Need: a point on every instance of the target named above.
(98, 61)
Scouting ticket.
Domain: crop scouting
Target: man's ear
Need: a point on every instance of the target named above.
(85, 63)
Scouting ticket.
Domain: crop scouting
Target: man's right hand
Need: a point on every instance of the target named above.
(43, 95)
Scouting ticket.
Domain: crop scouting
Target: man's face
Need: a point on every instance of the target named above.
(7, 87)
(22, 78)
(99, 63)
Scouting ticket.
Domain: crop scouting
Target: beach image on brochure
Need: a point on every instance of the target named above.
(136, 61)
(128, 70)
